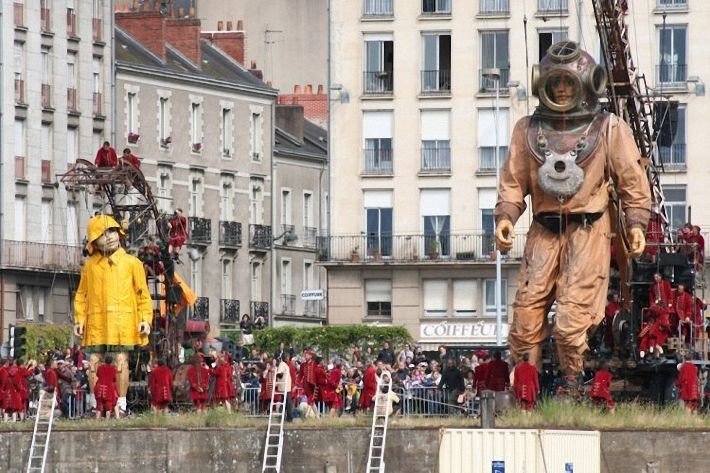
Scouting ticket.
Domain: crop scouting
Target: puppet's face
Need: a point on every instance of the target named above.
(108, 242)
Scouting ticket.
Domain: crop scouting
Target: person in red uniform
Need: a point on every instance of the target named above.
(686, 309)
(178, 232)
(600, 392)
(199, 376)
(332, 389)
(321, 380)
(106, 156)
(3, 375)
(23, 386)
(688, 387)
(266, 383)
(497, 377)
(654, 235)
(224, 390)
(308, 375)
(51, 380)
(526, 383)
(160, 387)
(695, 255)
(613, 306)
(658, 327)
(11, 397)
(105, 390)
(131, 158)
(369, 387)
(481, 371)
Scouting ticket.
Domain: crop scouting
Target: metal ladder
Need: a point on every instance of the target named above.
(274, 432)
(42, 432)
(380, 416)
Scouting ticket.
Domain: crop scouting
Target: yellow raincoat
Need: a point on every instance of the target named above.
(113, 297)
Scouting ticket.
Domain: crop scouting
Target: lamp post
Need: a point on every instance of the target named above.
(494, 74)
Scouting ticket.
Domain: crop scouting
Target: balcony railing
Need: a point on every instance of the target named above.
(436, 7)
(46, 96)
(20, 168)
(672, 74)
(19, 14)
(45, 20)
(20, 91)
(489, 85)
(46, 171)
(71, 99)
(97, 30)
(552, 6)
(33, 256)
(259, 236)
(673, 157)
(488, 157)
(71, 22)
(230, 233)
(311, 308)
(309, 237)
(377, 82)
(377, 7)
(494, 7)
(436, 81)
(201, 309)
(436, 159)
(258, 308)
(412, 248)
(97, 101)
(229, 311)
(377, 161)
(288, 304)
(671, 4)
(200, 230)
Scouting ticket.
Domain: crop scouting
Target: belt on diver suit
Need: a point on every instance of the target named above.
(557, 223)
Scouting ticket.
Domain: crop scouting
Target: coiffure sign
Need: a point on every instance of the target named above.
(461, 331)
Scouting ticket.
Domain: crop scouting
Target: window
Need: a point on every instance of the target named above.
(436, 132)
(227, 280)
(673, 153)
(196, 191)
(378, 7)
(31, 303)
(72, 224)
(551, 6)
(72, 74)
(196, 127)
(548, 38)
(494, 6)
(256, 281)
(378, 215)
(20, 218)
(46, 146)
(19, 57)
(164, 122)
(72, 145)
(672, 61)
(131, 113)
(436, 75)
(227, 199)
(20, 139)
(675, 200)
(490, 132)
(256, 201)
(489, 297)
(98, 14)
(45, 218)
(307, 209)
(165, 186)
(487, 202)
(98, 86)
(379, 64)
(308, 275)
(377, 133)
(256, 136)
(436, 221)
(71, 18)
(465, 297)
(378, 296)
(45, 15)
(46, 60)
(286, 277)
(436, 297)
(436, 7)
(494, 54)
(285, 207)
(227, 124)
(669, 4)
(196, 274)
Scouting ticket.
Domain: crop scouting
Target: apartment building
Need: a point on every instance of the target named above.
(202, 124)
(56, 108)
(416, 129)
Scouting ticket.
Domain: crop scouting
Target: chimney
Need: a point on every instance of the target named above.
(220, 25)
(184, 35)
(320, 89)
(146, 27)
(297, 89)
(256, 72)
(229, 25)
(240, 25)
(309, 90)
(231, 42)
(289, 118)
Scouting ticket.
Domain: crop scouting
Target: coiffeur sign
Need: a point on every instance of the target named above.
(472, 332)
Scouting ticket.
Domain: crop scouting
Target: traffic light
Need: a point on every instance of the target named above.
(17, 342)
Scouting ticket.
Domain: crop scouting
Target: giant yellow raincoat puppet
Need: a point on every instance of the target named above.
(112, 307)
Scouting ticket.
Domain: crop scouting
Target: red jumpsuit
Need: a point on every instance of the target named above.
(688, 387)
(686, 308)
(160, 385)
(199, 377)
(497, 377)
(23, 387)
(480, 374)
(106, 158)
(369, 388)
(3, 376)
(527, 385)
(133, 159)
(659, 310)
(321, 381)
(654, 234)
(51, 380)
(600, 393)
(308, 379)
(224, 389)
(105, 390)
(178, 232)
(11, 394)
(332, 398)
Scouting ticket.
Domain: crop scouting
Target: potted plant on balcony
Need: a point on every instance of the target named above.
(165, 142)
(133, 137)
(196, 147)
(434, 247)
(355, 254)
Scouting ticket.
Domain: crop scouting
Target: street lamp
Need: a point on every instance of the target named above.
(494, 74)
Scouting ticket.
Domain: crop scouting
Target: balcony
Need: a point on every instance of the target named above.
(46, 96)
(98, 102)
(97, 30)
(436, 7)
(201, 309)
(71, 23)
(230, 234)
(488, 85)
(672, 75)
(673, 157)
(415, 248)
(31, 256)
(46, 168)
(377, 82)
(377, 8)
(200, 230)
(19, 14)
(377, 161)
(436, 82)
(671, 4)
(308, 239)
(257, 309)
(229, 311)
(488, 157)
(436, 159)
(494, 7)
(259, 236)
(288, 304)
(20, 92)
(552, 6)
(71, 100)
(45, 20)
